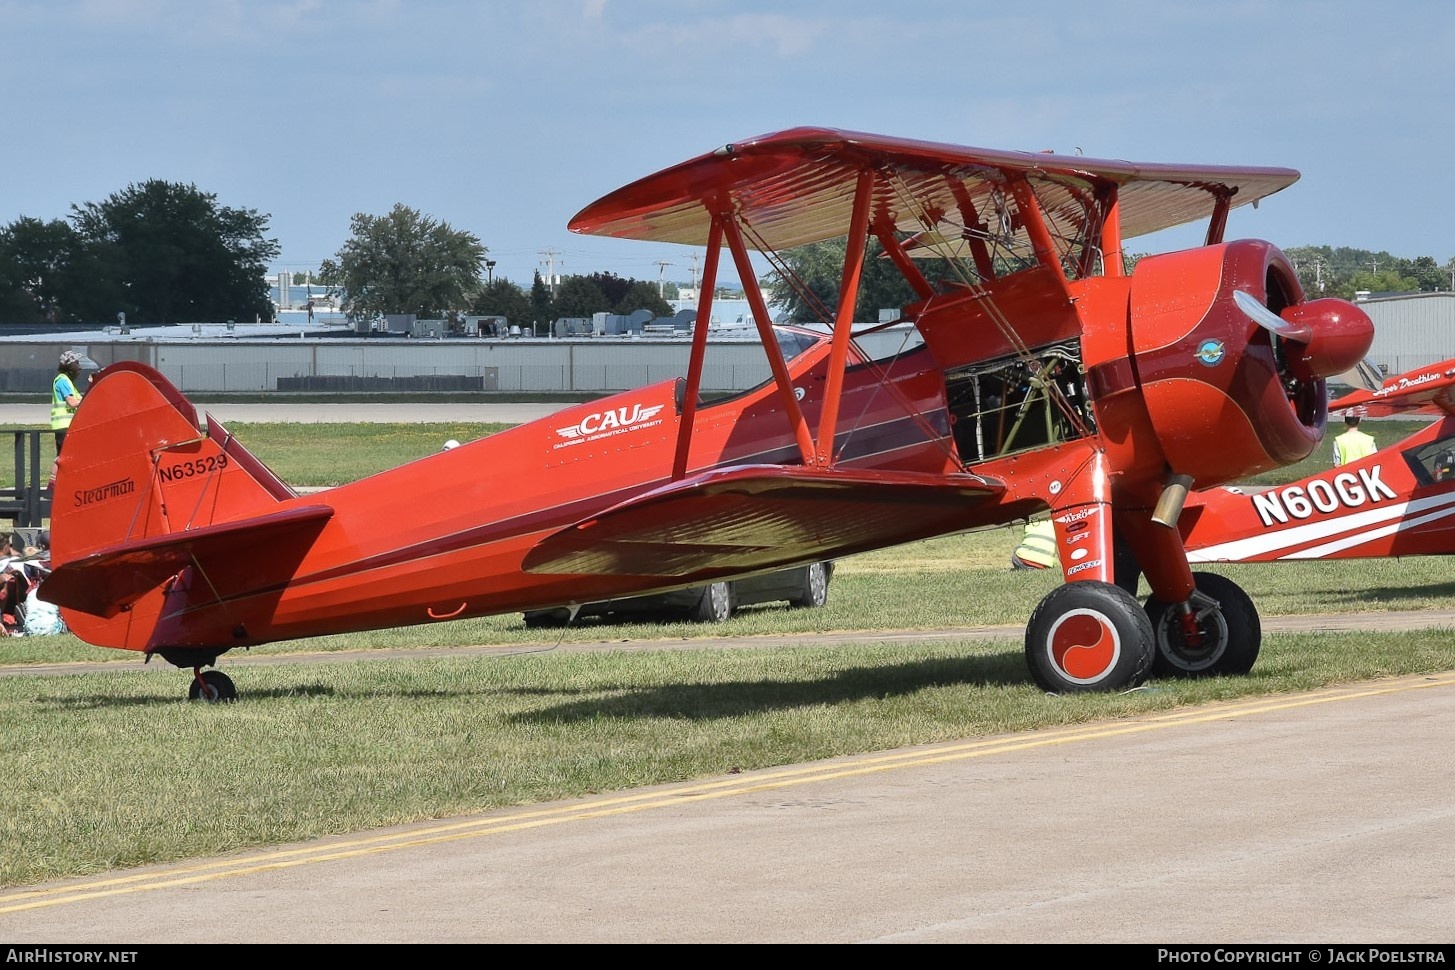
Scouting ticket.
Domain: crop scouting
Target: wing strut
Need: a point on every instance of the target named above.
(884, 232)
(1218, 224)
(1035, 223)
(765, 334)
(699, 352)
(844, 323)
(1111, 235)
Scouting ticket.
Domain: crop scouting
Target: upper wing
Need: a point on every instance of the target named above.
(751, 517)
(1423, 389)
(797, 187)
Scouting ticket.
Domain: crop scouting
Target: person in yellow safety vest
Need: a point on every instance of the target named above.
(65, 398)
(1353, 444)
(1038, 548)
(65, 395)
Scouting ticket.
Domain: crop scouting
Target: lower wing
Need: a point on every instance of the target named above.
(754, 517)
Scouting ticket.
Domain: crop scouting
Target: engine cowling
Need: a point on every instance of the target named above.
(1236, 385)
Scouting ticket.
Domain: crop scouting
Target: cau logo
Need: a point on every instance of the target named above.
(616, 419)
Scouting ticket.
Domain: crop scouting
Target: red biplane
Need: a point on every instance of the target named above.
(1046, 376)
(1399, 501)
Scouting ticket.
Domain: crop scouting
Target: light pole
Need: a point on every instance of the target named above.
(489, 271)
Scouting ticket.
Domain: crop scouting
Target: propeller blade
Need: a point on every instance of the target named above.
(1269, 320)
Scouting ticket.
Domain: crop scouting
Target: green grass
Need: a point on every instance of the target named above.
(298, 455)
(1384, 431)
(957, 581)
(314, 455)
(113, 769)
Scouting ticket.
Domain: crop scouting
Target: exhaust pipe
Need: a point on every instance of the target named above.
(1170, 502)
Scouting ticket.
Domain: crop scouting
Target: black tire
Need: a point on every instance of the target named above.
(537, 619)
(1229, 625)
(718, 603)
(1089, 636)
(212, 686)
(815, 591)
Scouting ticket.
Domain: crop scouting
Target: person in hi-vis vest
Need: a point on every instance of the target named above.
(1353, 444)
(1038, 548)
(65, 398)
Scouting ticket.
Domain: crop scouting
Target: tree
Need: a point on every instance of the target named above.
(1384, 281)
(1315, 268)
(613, 288)
(542, 305)
(405, 262)
(642, 296)
(580, 296)
(502, 298)
(809, 292)
(1427, 273)
(37, 270)
(167, 252)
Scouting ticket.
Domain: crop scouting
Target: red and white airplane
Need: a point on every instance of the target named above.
(1049, 377)
(1399, 501)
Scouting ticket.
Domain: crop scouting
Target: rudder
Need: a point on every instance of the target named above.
(138, 466)
(137, 463)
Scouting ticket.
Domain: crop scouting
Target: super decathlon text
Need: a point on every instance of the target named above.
(57, 955)
(1346, 489)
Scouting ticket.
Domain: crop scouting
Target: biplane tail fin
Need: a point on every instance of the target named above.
(143, 492)
(137, 463)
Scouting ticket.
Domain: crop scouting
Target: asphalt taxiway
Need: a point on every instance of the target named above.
(1311, 818)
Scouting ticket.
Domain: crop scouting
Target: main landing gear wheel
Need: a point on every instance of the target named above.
(212, 686)
(1228, 631)
(1089, 636)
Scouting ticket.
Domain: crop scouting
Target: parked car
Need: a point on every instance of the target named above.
(806, 586)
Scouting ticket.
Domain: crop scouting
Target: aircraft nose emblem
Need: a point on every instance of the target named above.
(1210, 352)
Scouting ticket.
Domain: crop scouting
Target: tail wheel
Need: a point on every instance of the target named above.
(1229, 634)
(1089, 636)
(716, 605)
(212, 686)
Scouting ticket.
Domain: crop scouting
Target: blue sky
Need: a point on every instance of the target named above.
(506, 118)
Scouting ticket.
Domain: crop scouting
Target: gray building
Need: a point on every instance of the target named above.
(248, 358)
(1410, 330)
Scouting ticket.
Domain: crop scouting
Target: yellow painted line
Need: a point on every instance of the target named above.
(640, 801)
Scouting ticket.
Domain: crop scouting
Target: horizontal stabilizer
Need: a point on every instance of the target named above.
(753, 517)
(106, 581)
